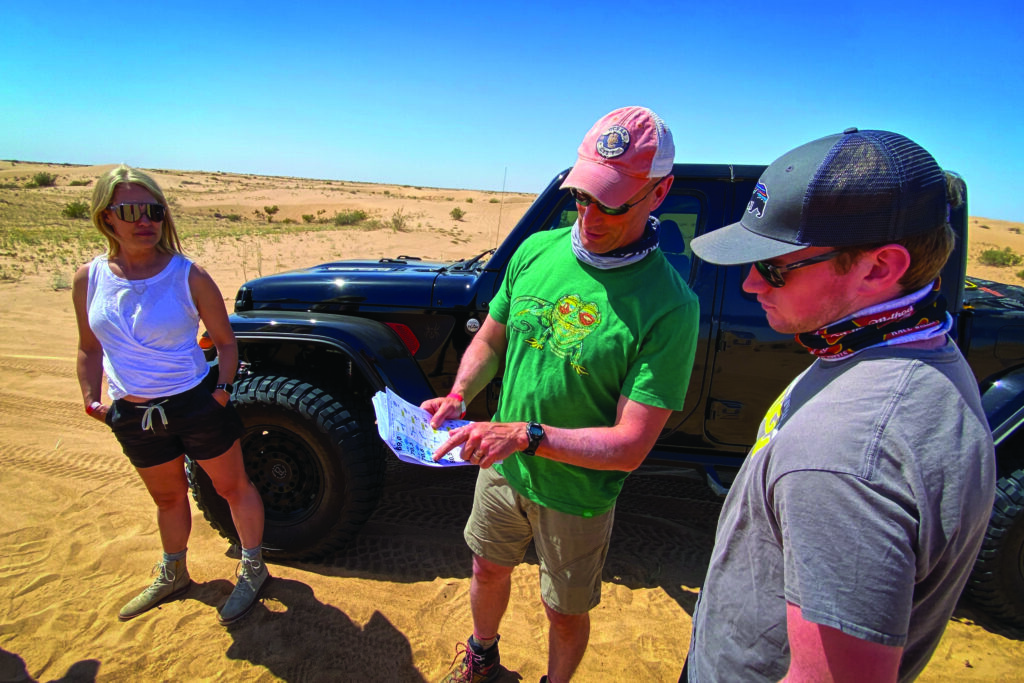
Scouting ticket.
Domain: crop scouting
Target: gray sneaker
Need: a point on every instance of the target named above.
(252, 577)
(171, 580)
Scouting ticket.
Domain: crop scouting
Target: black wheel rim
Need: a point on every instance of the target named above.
(285, 471)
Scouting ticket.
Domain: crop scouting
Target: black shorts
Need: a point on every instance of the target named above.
(161, 429)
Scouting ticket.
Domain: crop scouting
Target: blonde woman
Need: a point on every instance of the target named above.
(138, 309)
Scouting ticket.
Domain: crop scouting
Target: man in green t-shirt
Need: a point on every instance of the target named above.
(597, 332)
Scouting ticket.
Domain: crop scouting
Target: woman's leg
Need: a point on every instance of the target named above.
(168, 487)
(227, 473)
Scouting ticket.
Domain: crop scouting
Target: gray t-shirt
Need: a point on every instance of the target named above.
(863, 502)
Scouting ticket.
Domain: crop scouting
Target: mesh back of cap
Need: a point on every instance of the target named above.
(873, 186)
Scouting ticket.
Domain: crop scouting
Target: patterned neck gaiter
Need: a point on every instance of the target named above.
(917, 316)
(623, 256)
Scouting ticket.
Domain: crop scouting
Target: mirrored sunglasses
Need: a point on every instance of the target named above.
(132, 212)
(773, 274)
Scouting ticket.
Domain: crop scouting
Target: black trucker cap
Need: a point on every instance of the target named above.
(857, 187)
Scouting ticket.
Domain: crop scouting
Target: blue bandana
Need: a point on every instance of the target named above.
(623, 256)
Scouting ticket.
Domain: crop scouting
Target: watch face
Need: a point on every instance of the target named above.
(535, 431)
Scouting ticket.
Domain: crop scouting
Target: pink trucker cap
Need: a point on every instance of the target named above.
(620, 154)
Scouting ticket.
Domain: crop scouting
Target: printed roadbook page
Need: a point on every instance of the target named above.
(406, 429)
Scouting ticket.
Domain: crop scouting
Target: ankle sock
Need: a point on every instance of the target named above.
(175, 557)
(483, 645)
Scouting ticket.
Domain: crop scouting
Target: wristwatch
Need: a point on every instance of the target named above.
(228, 387)
(534, 432)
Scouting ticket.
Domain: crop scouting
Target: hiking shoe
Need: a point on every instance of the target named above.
(171, 580)
(252, 577)
(477, 665)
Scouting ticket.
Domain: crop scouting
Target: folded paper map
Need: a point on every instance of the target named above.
(406, 429)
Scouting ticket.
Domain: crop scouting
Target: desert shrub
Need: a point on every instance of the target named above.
(9, 186)
(79, 183)
(1015, 230)
(494, 200)
(398, 222)
(43, 179)
(270, 211)
(1020, 274)
(76, 209)
(59, 281)
(349, 217)
(469, 200)
(290, 221)
(233, 217)
(457, 213)
(308, 217)
(1000, 257)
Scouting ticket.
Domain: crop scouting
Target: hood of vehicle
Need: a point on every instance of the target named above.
(342, 286)
(985, 294)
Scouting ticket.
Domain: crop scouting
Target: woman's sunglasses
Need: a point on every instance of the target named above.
(773, 274)
(584, 199)
(131, 212)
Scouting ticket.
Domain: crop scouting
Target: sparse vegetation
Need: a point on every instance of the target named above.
(42, 179)
(494, 200)
(75, 209)
(457, 213)
(1000, 257)
(79, 183)
(308, 218)
(352, 217)
(469, 200)
(270, 211)
(59, 281)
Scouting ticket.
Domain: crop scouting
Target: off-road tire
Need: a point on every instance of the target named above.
(997, 581)
(319, 468)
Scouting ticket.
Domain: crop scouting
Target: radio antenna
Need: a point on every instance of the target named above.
(497, 230)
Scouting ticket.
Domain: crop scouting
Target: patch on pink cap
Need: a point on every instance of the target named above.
(613, 142)
(620, 154)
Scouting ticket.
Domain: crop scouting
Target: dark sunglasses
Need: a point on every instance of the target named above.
(132, 211)
(773, 274)
(584, 199)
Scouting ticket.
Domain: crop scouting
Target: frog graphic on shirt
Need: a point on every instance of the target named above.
(563, 325)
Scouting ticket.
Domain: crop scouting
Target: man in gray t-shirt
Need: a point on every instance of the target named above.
(851, 528)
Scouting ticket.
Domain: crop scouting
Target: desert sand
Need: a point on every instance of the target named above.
(78, 535)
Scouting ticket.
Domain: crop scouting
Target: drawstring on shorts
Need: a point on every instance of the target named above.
(147, 417)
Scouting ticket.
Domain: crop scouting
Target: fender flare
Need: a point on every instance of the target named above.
(1003, 401)
(373, 347)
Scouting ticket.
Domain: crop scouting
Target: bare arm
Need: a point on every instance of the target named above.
(622, 447)
(214, 315)
(89, 362)
(822, 653)
(478, 366)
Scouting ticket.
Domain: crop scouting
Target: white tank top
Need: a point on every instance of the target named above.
(148, 328)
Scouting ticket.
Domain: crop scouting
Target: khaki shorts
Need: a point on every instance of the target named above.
(571, 549)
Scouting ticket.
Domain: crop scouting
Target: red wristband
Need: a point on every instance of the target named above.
(461, 400)
(93, 407)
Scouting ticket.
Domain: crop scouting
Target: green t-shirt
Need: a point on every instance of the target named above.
(578, 338)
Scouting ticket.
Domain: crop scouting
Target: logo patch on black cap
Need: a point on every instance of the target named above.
(614, 142)
(758, 200)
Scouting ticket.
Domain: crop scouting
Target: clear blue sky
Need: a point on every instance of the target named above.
(459, 95)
